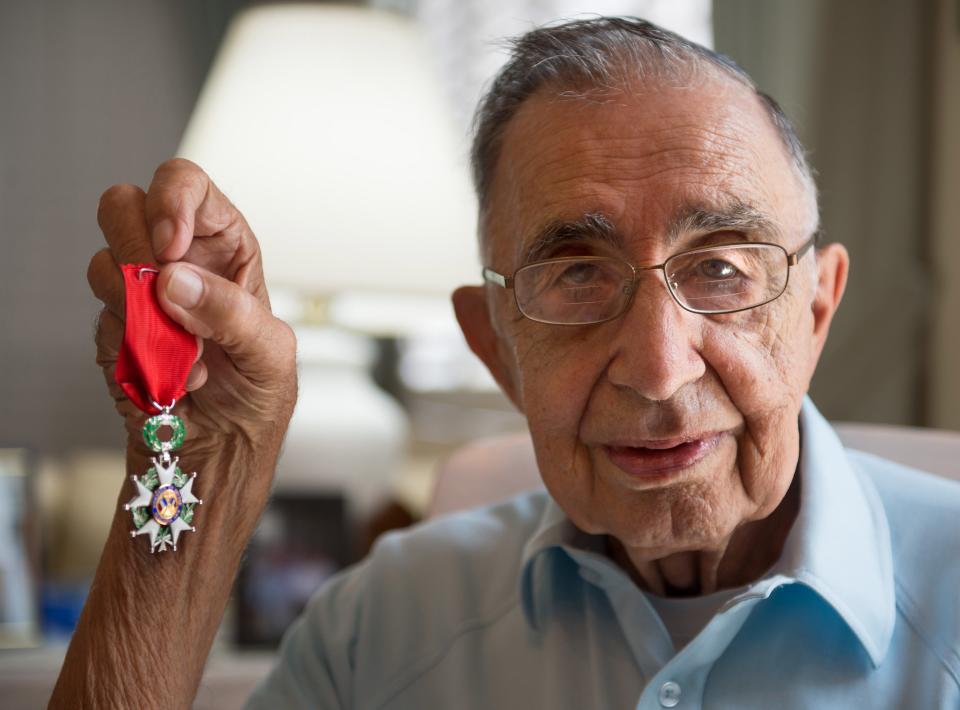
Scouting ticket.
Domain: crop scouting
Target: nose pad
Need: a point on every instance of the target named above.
(631, 286)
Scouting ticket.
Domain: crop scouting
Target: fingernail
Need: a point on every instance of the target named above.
(185, 287)
(163, 235)
(196, 374)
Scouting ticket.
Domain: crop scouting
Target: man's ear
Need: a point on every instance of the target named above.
(473, 315)
(833, 264)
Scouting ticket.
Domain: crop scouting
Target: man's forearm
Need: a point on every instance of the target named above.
(150, 618)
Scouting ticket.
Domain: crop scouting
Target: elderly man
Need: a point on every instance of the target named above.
(655, 304)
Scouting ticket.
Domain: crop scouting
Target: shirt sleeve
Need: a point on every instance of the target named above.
(315, 665)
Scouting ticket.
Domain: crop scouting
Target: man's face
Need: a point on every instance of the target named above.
(664, 428)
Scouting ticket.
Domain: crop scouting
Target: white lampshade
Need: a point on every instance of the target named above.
(327, 128)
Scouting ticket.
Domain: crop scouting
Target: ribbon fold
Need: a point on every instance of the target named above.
(157, 353)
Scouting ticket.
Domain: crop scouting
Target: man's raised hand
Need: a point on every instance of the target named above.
(211, 283)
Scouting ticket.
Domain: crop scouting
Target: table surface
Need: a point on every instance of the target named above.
(27, 677)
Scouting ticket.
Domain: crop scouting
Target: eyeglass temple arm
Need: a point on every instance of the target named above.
(491, 276)
(793, 259)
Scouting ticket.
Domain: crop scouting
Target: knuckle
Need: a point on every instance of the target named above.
(241, 317)
(287, 352)
(98, 325)
(176, 166)
(108, 335)
(105, 280)
(116, 197)
(99, 263)
(286, 338)
(282, 340)
(282, 349)
(177, 189)
(107, 326)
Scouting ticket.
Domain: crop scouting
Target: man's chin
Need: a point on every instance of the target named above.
(658, 521)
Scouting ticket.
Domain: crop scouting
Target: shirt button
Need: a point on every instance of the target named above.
(669, 694)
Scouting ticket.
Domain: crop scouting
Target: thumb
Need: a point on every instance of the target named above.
(215, 308)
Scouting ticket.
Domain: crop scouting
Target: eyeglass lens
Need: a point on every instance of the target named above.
(710, 280)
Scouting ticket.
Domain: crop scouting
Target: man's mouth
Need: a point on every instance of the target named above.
(662, 456)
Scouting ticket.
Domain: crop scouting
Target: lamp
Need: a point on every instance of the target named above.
(326, 125)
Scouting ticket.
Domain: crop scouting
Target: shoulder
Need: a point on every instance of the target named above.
(923, 514)
(923, 510)
(464, 563)
(392, 617)
(470, 560)
(477, 529)
(422, 591)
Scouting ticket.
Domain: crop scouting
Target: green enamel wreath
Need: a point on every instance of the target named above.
(152, 426)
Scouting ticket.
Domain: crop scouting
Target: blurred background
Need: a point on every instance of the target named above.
(341, 131)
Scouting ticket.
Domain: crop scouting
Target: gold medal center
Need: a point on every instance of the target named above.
(166, 505)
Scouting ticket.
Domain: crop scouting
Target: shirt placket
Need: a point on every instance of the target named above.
(673, 680)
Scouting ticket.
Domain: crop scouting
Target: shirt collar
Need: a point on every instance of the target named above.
(554, 534)
(839, 545)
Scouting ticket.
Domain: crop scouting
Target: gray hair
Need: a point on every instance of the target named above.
(598, 54)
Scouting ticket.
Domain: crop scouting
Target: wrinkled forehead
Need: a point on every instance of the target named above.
(659, 164)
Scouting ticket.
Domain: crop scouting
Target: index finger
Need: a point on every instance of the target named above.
(183, 201)
(120, 216)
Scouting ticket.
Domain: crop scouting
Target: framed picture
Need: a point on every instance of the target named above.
(18, 553)
(302, 540)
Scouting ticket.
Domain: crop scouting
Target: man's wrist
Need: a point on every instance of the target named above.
(146, 606)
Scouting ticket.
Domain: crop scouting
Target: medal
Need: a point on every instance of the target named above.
(152, 368)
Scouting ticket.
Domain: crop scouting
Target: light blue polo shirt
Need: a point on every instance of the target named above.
(512, 607)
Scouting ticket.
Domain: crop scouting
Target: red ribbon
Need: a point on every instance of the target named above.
(157, 353)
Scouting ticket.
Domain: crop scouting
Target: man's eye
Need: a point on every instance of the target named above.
(718, 269)
(579, 274)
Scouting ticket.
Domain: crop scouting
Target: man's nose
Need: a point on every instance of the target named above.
(654, 349)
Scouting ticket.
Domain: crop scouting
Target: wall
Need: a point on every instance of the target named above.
(94, 93)
(945, 228)
(855, 76)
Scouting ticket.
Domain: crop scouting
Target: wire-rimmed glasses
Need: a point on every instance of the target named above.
(579, 290)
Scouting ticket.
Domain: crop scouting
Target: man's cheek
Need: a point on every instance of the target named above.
(554, 400)
(753, 369)
(556, 381)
